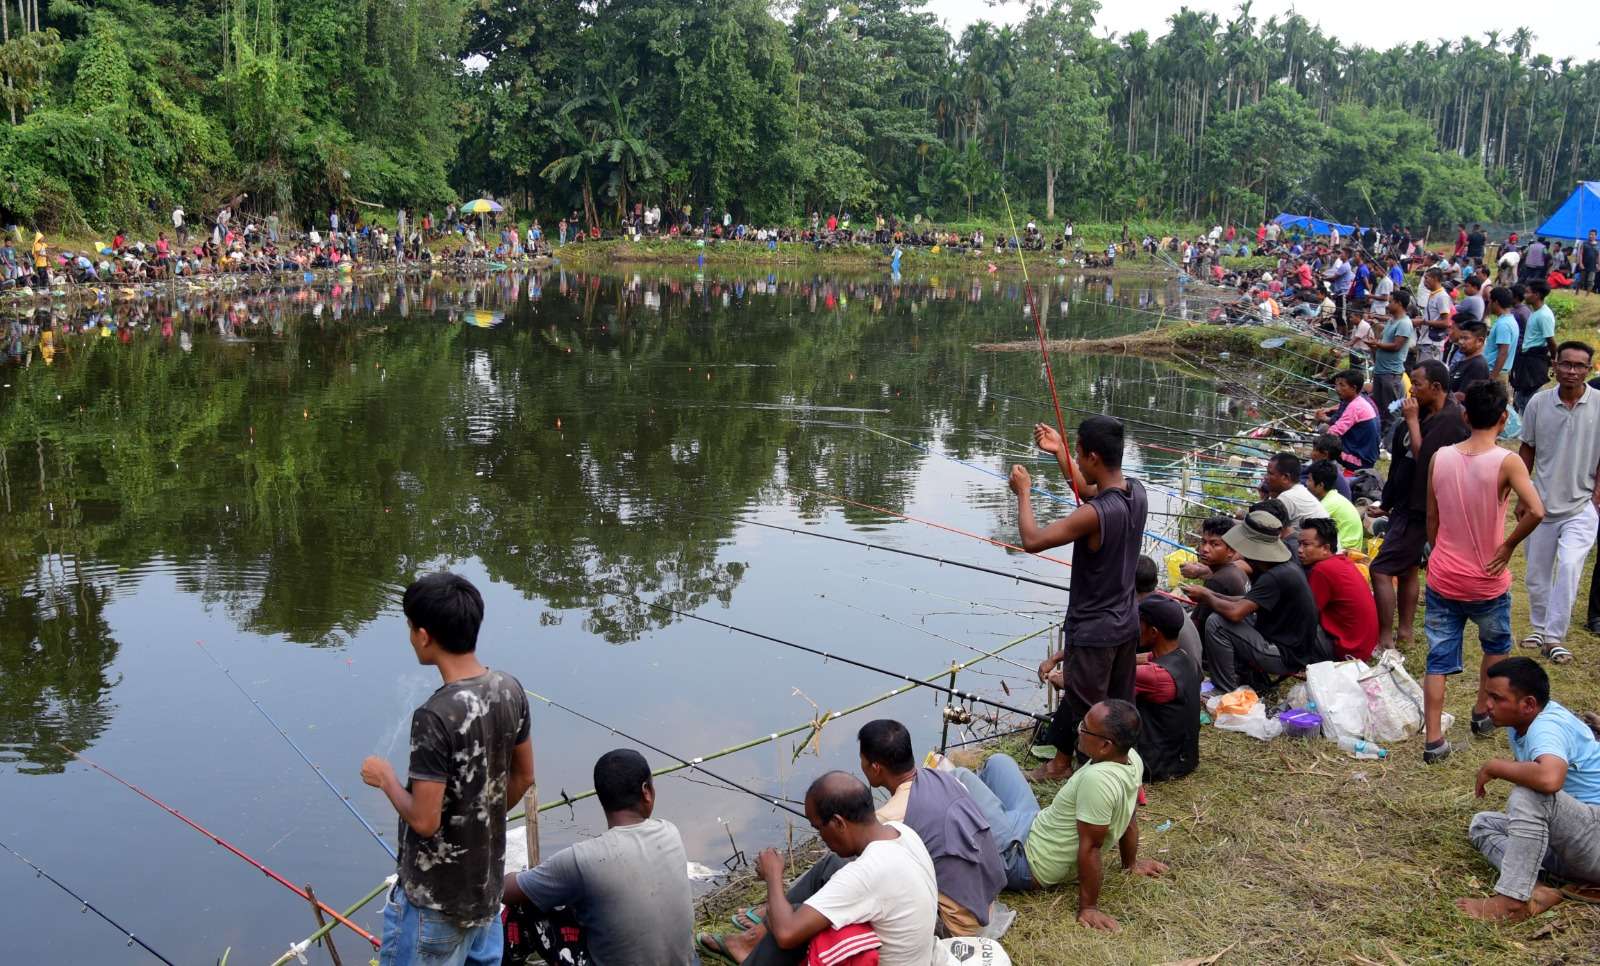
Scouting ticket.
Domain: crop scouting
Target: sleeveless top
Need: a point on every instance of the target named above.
(1472, 522)
(1101, 611)
(1169, 741)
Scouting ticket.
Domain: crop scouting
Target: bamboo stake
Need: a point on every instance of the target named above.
(325, 930)
(327, 940)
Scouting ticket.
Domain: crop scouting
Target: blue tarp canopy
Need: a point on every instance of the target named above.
(1577, 216)
(1312, 226)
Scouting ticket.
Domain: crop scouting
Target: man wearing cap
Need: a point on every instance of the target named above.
(1166, 687)
(1272, 629)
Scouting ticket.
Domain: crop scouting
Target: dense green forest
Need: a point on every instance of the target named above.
(118, 109)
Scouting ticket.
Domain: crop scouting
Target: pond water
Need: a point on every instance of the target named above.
(265, 472)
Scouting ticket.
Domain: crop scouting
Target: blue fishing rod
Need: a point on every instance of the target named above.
(87, 905)
(343, 798)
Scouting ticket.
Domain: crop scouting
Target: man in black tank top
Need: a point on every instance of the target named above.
(1102, 625)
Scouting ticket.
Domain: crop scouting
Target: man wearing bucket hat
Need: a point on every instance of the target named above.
(1272, 629)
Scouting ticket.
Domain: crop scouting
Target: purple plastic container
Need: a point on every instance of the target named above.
(1300, 723)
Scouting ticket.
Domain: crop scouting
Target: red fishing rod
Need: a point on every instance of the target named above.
(220, 841)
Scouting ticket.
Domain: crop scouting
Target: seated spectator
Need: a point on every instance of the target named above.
(1063, 842)
(1272, 629)
(1282, 483)
(1352, 533)
(1166, 687)
(1355, 420)
(946, 819)
(875, 874)
(1346, 612)
(1144, 587)
(1330, 448)
(618, 898)
(1219, 565)
(1553, 814)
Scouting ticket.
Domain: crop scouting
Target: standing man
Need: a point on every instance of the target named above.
(1433, 419)
(1389, 352)
(1561, 445)
(1588, 262)
(178, 231)
(1467, 575)
(1102, 625)
(1435, 316)
(1532, 368)
(471, 757)
(1469, 365)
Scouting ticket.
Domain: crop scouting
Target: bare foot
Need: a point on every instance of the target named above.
(1498, 908)
(741, 945)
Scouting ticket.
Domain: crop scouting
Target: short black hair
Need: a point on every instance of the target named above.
(1525, 677)
(1122, 724)
(448, 607)
(1328, 443)
(1502, 297)
(886, 742)
(1286, 464)
(841, 794)
(1519, 291)
(1325, 474)
(619, 779)
(1401, 297)
(1433, 371)
(1217, 526)
(1539, 287)
(1350, 377)
(1144, 575)
(1473, 328)
(1486, 401)
(1102, 436)
(1327, 531)
(1582, 347)
(1274, 506)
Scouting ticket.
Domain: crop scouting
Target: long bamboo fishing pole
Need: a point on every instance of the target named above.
(224, 843)
(1044, 353)
(296, 949)
(955, 693)
(87, 905)
(694, 765)
(343, 798)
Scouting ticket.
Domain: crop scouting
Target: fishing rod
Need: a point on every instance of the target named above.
(343, 798)
(1226, 356)
(874, 546)
(826, 656)
(87, 905)
(1278, 343)
(924, 630)
(1038, 326)
(932, 523)
(225, 844)
(1030, 615)
(691, 765)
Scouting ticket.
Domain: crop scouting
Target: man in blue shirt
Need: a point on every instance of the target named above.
(1389, 358)
(1552, 820)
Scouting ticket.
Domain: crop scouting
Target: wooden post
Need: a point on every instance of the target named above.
(530, 822)
(944, 735)
(316, 909)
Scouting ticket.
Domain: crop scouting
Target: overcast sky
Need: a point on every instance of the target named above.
(1562, 28)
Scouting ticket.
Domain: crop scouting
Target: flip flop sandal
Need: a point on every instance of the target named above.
(1556, 652)
(747, 919)
(1582, 892)
(713, 944)
(1534, 640)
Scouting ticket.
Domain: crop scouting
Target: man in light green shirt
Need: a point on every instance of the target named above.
(1322, 482)
(1063, 842)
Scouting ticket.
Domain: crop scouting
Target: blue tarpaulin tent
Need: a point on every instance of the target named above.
(1312, 226)
(1577, 216)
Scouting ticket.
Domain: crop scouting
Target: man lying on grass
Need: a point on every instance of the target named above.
(1552, 820)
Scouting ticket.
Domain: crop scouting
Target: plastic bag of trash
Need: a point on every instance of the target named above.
(1254, 723)
(1336, 688)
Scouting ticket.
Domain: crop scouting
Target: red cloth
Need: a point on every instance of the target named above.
(854, 945)
(1153, 683)
(1345, 607)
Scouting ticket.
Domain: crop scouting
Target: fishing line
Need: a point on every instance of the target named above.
(692, 765)
(931, 523)
(1031, 615)
(87, 905)
(343, 798)
(924, 630)
(826, 656)
(225, 844)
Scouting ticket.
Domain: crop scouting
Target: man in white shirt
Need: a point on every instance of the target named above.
(878, 874)
(1282, 482)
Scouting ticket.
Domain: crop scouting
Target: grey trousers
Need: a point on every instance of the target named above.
(1554, 833)
(767, 952)
(1234, 649)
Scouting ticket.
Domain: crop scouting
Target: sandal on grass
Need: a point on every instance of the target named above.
(1534, 640)
(749, 918)
(713, 944)
(1582, 892)
(1556, 652)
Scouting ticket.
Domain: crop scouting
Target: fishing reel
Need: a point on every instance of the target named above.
(957, 714)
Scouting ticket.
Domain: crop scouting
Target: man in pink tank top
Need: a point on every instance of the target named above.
(1468, 486)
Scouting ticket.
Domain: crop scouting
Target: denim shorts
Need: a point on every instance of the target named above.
(1446, 619)
(414, 936)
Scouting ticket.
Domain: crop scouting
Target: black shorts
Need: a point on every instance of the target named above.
(1402, 545)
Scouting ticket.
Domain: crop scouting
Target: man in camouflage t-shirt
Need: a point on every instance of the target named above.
(471, 758)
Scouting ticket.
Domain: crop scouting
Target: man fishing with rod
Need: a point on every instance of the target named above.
(1102, 623)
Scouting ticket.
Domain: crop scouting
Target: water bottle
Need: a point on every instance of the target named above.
(1359, 748)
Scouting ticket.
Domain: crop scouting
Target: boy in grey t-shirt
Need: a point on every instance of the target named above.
(621, 899)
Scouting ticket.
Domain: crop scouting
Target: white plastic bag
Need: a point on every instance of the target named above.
(1256, 724)
(1336, 688)
(970, 951)
(1394, 700)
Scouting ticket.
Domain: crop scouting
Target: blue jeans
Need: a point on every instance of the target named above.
(1006, 800)
(429, 938)
(1446, 619)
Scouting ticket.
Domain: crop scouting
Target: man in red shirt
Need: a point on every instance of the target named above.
(1345, 608)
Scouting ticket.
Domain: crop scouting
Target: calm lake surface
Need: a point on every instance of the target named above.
(265, 473)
